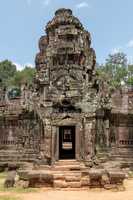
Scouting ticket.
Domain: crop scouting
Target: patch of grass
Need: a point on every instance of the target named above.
(2, 175)
(21, 190)
(18, 190)
(9, 198)
(130, 174)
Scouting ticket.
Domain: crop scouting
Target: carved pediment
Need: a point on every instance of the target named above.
(66, 82)
(66, 106)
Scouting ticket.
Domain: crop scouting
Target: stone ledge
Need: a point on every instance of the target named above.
(95, 178)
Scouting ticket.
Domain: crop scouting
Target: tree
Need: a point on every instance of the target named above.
(23, 77)
(118, 59)
(130, 75)
(7, 70)
(115, 69)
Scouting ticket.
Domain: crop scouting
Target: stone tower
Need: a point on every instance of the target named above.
(66, 89)
(58, 128)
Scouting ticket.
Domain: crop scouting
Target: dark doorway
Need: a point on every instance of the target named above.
(67, 142)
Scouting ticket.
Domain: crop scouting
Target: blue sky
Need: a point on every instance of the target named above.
(22, 22)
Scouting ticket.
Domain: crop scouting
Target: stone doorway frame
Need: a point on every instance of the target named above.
(73, 142)
(55, 138)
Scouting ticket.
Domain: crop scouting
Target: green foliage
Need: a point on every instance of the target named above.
(23, 77)
(130, 75)
(10, 77)
(7, 70)
(118, 59)
(116, 70)
(9, 198)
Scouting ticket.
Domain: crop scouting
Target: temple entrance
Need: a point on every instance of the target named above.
(67, 142)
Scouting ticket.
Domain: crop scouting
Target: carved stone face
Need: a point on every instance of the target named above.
(66, 83)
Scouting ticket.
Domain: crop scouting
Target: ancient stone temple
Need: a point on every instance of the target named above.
(68, 120)
(67, 89)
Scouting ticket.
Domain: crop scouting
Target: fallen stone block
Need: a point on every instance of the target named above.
(105, 179)
(95, 178)
(10, 179)
(13, 166)
(22, 184)
(109, 186)
(23, 174)
(116, 177)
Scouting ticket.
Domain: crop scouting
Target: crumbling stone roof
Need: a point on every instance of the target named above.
(63, 17)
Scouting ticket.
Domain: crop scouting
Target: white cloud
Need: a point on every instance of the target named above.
(29, 65)
(130, 44)
(21, 67)
(46, 2)
(83, 4)
(116, 50)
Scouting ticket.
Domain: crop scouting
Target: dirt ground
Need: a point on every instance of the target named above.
(95, 194)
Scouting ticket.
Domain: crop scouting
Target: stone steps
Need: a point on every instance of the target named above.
(69, 174)
(72, 179)
(67, 179)
(64, 174)
(67, 168)
(64, 184)
(68, 165)
(67, 162)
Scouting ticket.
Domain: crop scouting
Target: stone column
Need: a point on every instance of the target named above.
(48, 141)
(79, 141)
(55, 145)
(89, 128)
(107, 132)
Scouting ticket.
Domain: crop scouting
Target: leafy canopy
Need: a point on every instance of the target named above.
(116, 70)
(11, 77)
(23, 77)
(7, 70)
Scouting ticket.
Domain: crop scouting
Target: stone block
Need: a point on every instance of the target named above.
(116, 177)
(13, 166)
(71, 178)
(95, 178)
(10, 179)
(38, 180)
(22, 184)
(23, 174)
(85, 181)
(105, 179)
(74, 184)
(60, 184)
(59, 177)
(109, 186)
